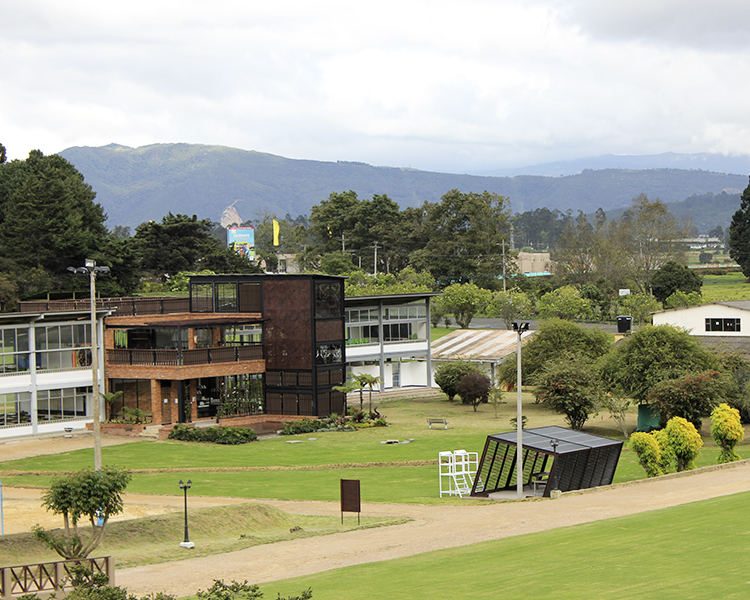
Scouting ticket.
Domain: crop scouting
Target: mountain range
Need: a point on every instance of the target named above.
(135, 185)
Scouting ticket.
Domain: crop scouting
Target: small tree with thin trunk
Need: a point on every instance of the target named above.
(86, 495)
(474, 389)
(685, 442)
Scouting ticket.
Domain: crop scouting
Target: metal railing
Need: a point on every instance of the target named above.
(177, 358)
(122, 306)
(49, 577)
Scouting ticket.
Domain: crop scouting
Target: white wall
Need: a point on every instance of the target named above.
(694, 318)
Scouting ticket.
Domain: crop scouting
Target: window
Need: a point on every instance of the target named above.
(226, 297)
(329, 354)
(202, 297)
(328, 298)
(723, 325)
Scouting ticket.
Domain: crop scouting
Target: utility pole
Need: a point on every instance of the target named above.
(375, 266)
(504, 290)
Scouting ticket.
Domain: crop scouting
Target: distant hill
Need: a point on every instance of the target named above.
(140, 184)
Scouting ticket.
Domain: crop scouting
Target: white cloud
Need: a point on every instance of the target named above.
(443, 85)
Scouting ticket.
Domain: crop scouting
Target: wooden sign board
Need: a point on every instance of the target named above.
(350, 500)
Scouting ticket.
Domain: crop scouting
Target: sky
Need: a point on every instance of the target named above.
(468, 86)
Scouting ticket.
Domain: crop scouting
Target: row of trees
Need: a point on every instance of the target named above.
(578, 371)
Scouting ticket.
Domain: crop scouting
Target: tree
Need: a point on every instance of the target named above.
(563, 303)
(691, 396)
(465, 237)
(569, 386)
(673, 277)
(474, 389)
(510, 306)
(365, 380)
(87, 494)
(617, 404)
(464, 301)
(739, 234)
(727, 431)
(652, 232)
(680, 299)
(48, 217)
(553, 339)
(652, 354)
(684, 441)
(640, 307)
(181, 243)
(447, 375)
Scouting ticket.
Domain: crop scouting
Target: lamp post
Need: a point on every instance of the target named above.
(186, 543)
(92, 270)
(554, 442)
(519, 328)
(2, 520)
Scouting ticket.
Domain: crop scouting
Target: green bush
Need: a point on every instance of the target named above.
(727, 431)
(647, 448)
(447, 375)
(214, 435)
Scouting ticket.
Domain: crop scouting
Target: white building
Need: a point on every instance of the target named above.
(389, 337)
(45, 371)
(725, 323)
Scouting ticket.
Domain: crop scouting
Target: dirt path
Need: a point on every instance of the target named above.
(432, 528)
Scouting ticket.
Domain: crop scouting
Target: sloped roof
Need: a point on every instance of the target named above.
(487, 345)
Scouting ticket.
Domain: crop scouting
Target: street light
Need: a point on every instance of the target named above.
(554, 442)
(519, 328)
(92, 270)
(186, 543)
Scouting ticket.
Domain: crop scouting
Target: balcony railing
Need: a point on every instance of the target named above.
(179, 358)
(123, 306)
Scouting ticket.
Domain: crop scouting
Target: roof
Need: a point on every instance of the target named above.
(570, 441)
(389, 298)
(488, 345)
(741, 304)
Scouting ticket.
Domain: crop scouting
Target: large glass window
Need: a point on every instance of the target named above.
(14, 348)
(55, 405)
(15, 409)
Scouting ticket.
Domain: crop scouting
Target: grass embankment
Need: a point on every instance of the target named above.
(697, 550)
(214, 530)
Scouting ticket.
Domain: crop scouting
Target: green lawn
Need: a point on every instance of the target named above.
(696, 551)
(311, 470)
(732, 286)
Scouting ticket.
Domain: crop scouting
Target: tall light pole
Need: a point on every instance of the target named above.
(519, 328)
(92, 270)
(186, 543)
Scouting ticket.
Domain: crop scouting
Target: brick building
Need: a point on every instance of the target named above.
(237, 343)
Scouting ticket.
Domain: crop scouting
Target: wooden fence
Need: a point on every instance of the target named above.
(44, 578)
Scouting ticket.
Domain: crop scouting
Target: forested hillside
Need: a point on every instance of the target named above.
(135, 185)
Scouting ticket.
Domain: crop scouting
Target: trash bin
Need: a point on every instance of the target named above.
(624, 324)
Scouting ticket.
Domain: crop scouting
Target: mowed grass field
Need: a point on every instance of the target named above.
(697, 551)
(312, 468)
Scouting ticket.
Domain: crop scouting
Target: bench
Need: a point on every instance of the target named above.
(539, 480)
(437, 421)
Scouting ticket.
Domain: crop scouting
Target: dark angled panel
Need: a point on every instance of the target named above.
(250, 297)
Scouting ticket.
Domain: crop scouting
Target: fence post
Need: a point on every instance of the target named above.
(6, 582)
(59, 575)
(110, 566)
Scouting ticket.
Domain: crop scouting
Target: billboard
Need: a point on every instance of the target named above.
(242, 240)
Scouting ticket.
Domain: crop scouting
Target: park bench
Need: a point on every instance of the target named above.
(437, 421)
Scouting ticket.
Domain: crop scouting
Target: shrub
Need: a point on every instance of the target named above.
(727, 431)
(685, 442)
(447, 375)
(690, 396)
(647, 448)
(215, 435)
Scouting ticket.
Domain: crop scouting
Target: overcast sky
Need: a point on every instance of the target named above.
(457, 86)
